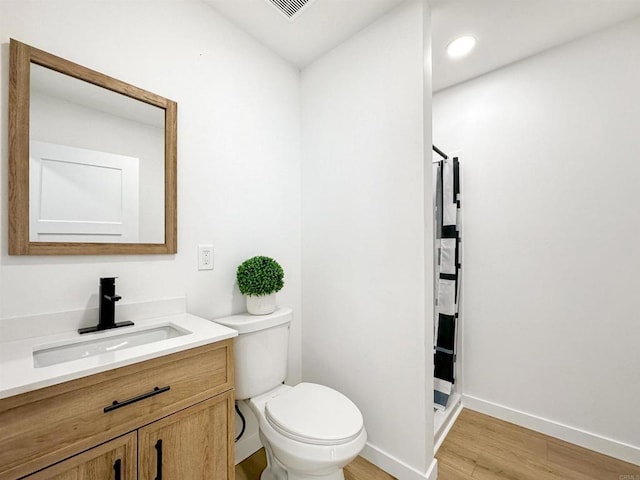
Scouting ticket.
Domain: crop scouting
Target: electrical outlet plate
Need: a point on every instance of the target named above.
(205, 257)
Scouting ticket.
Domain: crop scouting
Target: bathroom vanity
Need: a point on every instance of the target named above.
(171, 415)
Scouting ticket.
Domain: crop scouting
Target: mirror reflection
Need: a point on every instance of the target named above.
(96, 163)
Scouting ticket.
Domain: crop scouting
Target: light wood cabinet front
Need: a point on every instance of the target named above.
(77, 430)
(114, 460)
(45, 426)
(193, 444)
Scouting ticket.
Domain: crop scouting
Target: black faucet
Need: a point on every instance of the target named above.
(107, 314)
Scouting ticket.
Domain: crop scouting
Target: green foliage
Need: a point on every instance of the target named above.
(260, 276)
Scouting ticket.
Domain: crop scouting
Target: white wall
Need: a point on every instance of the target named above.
(550, 153)
(367, 302)
(238, 153)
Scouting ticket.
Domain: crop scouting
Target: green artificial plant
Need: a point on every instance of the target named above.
(259, 276)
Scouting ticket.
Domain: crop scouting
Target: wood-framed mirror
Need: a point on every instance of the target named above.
(92, 161)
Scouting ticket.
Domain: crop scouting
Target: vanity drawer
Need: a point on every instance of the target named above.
(48, 425)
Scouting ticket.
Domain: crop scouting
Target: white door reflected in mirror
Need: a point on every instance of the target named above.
(82, 195)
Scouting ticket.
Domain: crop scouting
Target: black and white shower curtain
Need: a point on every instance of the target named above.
(448, 276)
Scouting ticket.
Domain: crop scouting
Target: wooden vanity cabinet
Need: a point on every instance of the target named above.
(169, 417)
(191, 444)
(115, 459)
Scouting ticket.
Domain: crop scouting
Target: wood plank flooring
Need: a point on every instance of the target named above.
(480, 447)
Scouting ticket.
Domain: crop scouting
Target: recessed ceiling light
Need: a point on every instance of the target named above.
(461, 46)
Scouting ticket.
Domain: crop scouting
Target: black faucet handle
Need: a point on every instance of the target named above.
(107, 298)
(108, 288)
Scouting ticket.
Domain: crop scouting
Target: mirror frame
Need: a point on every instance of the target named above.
(21, 58)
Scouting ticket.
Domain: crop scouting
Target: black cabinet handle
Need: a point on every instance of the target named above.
(115, 405)
(117, 468)
(159, 460)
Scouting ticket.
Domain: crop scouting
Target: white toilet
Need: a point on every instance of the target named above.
(309, 431)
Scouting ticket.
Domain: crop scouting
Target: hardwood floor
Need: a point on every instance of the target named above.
(479, 447)
(251, 468)
(359, 469)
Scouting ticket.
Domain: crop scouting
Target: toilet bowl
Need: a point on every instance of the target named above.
(309, 431)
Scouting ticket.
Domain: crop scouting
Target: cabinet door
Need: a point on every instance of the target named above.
(114, 460)
(193, 444)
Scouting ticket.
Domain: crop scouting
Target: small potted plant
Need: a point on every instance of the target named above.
(259, 278)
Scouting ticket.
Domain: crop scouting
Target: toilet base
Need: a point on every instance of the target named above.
(268, 475)
(332, 476)
(275, 470)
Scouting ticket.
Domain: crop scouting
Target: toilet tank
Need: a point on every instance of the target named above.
(260, 350)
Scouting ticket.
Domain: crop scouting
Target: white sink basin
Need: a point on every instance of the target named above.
(103, 342)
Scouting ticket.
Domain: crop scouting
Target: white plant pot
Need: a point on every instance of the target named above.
(261, 305)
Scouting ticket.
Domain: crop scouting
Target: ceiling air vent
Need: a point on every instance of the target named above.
(291, 8)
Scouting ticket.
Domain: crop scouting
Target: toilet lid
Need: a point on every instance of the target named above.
(314, 414)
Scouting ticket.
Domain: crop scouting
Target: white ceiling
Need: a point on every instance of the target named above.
(506, 30)
(323, 24)
(510, 30)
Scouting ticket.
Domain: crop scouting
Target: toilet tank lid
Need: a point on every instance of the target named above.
(246, 323)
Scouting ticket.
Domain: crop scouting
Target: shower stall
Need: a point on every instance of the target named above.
(448, 289)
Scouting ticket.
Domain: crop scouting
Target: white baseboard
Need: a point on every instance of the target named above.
(592, 441)
(443, 431)
(396, 467)
(432, 473)
(246, 447)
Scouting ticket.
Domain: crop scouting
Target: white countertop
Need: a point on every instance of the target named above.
(18, 373)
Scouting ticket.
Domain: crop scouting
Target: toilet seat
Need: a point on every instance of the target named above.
(314, 414)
